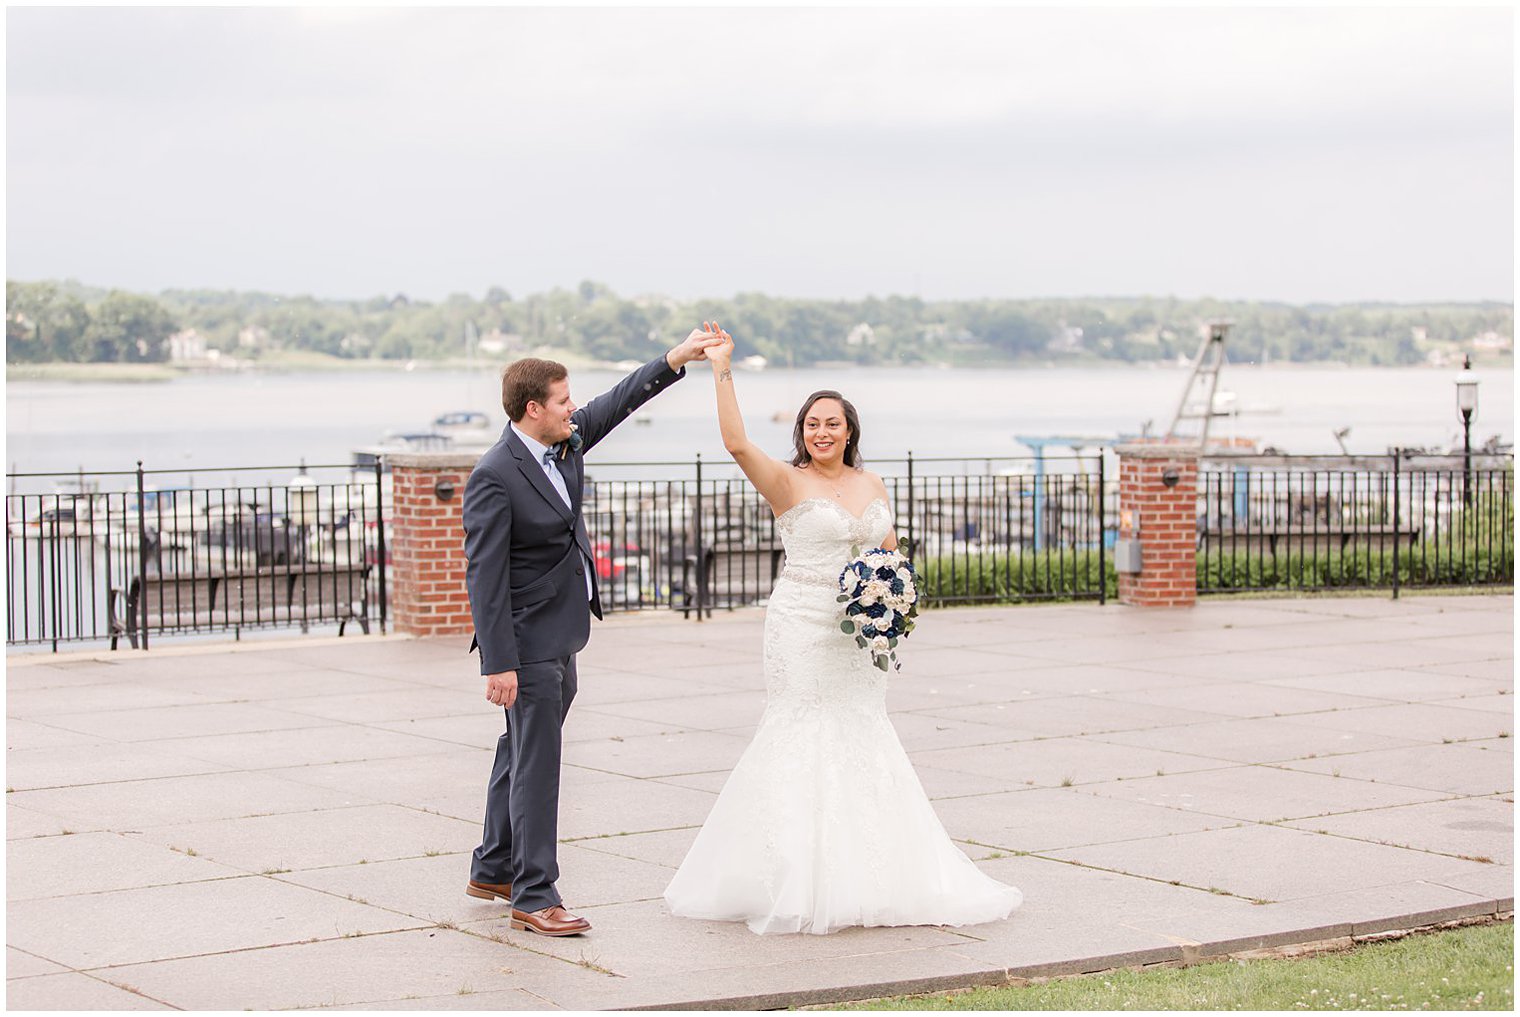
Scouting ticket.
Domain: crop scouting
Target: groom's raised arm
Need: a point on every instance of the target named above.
(617, 404)
(611, 408)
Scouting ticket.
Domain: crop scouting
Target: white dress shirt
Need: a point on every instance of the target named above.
(545, 456)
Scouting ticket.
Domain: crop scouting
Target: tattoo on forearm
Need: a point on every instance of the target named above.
(725, 375)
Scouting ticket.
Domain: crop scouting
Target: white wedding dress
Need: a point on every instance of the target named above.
(823, 824)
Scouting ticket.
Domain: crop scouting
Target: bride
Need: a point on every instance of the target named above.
(823, 823)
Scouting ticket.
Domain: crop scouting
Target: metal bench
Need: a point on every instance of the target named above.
(178, 602)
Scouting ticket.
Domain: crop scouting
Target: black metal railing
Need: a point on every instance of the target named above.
(125, 555)
(137, 554)
(980, 530)
(1354, 522)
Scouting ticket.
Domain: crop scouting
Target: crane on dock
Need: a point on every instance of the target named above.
(1202, 388)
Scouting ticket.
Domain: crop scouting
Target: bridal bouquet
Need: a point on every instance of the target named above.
(879, 591)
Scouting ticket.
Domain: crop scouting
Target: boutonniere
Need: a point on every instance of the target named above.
(572, 443)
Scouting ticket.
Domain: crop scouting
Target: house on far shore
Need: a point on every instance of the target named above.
(496, 342)
(256, 337)
(187, 346)
(861, 335)
(1493, 342)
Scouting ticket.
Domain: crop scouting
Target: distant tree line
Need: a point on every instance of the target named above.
(52, 321)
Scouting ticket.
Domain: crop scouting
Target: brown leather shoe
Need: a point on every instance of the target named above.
(551, 921)
(490, 891)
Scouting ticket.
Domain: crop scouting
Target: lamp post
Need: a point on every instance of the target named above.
(301, 502)
(1467, 405)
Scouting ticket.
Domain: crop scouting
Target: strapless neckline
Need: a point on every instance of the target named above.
(829, 501)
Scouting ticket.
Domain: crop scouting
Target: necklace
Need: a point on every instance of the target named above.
(834, 486)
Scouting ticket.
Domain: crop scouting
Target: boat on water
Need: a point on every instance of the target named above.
(466, 431)
(462, 424)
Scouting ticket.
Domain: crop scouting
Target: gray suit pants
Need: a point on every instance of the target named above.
(522, 800)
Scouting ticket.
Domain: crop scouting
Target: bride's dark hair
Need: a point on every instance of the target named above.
(801, 456)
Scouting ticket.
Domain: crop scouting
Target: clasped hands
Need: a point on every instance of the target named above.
(719, 346)
(696, 345)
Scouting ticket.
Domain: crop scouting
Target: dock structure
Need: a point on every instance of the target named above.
(1197, 402)
(1078, 444)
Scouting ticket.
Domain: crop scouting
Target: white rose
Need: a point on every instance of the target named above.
(880, 644)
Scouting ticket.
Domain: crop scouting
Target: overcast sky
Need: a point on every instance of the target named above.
(1290, 154)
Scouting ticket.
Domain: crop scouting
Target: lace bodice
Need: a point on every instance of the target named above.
(818, 534)
(808, 660)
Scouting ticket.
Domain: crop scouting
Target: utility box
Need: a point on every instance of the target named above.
(1127, 556)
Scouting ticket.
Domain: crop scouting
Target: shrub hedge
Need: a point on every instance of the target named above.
(1069, 575)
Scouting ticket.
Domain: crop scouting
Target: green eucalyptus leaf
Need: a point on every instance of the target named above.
(846, 626)
(881, 662)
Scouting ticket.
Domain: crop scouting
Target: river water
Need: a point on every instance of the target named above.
(216, 421)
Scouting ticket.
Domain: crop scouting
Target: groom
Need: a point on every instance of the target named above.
(532, 584)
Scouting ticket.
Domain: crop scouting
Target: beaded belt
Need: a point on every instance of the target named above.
(798, 575)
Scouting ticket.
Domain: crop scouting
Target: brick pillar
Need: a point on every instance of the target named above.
(1164, 518)
(428, 595)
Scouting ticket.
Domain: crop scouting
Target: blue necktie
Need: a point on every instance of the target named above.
(556, 478)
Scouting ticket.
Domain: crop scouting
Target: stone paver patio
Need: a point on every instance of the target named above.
(288, 824)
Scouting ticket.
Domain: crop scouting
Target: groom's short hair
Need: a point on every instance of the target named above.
(527, 381)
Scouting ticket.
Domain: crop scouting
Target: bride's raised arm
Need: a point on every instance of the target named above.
(772, 478)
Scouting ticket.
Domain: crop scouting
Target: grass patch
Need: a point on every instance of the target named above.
(91, 372)
(1468, 968)
(591, 964)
